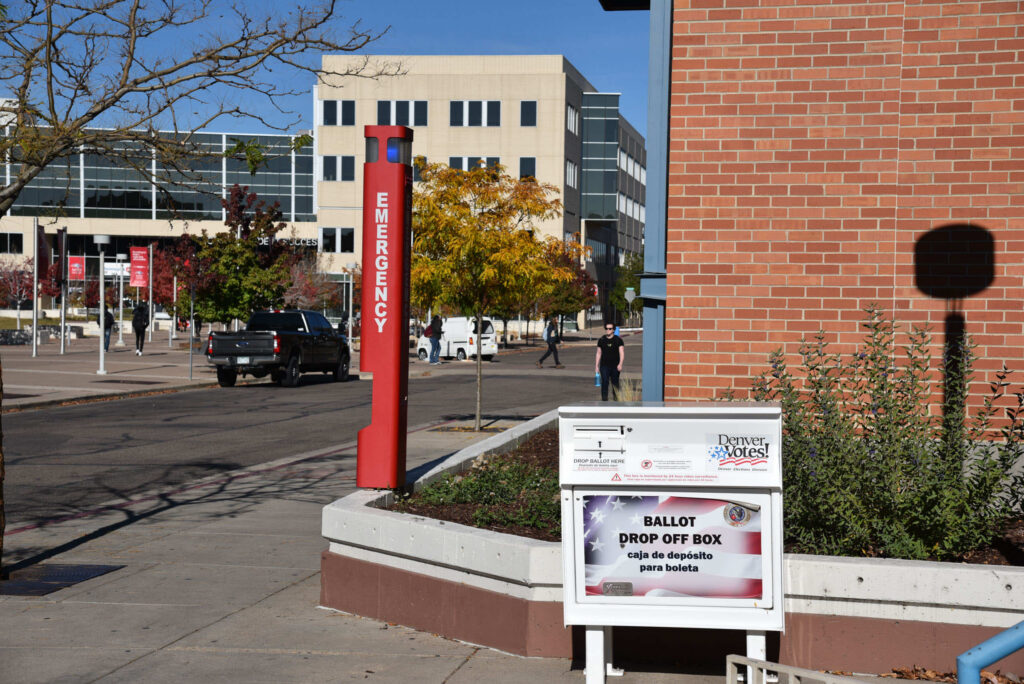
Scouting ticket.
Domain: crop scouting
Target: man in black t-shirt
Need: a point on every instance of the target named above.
(611, 353)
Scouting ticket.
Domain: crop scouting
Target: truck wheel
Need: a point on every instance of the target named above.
(487, 357)
(226, 376)
(290, 378)
(341, 372)
(461, 355)
(422, 353)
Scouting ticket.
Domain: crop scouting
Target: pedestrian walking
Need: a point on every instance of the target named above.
(552, 338)
(434, 333)
(611, 354)
(108, 326)
(140, 321)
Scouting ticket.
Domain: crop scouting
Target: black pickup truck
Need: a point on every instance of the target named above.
(281, 344)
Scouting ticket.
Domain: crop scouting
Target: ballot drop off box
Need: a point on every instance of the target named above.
(671, 517)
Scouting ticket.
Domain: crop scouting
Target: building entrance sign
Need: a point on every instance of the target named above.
(671, 517)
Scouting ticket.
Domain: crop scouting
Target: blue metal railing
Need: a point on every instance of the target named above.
(969, 663)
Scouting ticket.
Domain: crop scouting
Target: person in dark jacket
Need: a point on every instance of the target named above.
(551, 337)
(108, 326)
(435, 340)
(140, 321)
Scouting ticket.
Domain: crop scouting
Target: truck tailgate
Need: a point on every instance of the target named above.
(243, 344)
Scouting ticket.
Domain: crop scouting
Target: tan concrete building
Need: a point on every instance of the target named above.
(525, 112)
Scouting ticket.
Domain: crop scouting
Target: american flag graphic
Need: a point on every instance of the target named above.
(729, 569)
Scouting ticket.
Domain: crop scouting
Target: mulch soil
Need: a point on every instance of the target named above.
(542, 450)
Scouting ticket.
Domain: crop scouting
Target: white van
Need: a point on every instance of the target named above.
(458, 339)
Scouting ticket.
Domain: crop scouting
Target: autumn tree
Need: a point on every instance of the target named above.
(474, 236)
(248, 264)
(132, 81)
(16, 283)
(310, 288)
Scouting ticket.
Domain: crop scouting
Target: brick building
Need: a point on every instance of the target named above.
(807, 158)
(826, 155)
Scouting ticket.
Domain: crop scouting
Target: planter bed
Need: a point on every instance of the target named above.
(503, 591)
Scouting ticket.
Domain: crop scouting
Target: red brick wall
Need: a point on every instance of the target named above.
(812, 144)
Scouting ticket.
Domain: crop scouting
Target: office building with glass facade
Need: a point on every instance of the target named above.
(91, 195)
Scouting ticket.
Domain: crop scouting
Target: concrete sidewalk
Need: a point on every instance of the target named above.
(219, 579)
(52, 377)
(220, 583)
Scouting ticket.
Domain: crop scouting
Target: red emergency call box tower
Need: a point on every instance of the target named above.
(384, 320)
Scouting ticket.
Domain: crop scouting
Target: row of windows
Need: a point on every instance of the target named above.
(12, 243)
(337, 240)
(572, 119)
(572, 174)
(339, 168)
(632, 208)
(339, 112)
(401, 112)
(632, 167)
(414, 113)
(475, 113)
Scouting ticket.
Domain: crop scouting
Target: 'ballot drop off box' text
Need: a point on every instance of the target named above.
(671, 517)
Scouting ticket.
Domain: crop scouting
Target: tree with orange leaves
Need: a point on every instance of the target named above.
(474, 241)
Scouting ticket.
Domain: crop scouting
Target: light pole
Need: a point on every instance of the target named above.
(120, 298)
(351, 267)
(102, 241)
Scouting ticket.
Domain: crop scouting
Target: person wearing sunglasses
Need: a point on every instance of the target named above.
(611, 354)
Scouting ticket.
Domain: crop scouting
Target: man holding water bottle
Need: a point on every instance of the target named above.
(611, 354)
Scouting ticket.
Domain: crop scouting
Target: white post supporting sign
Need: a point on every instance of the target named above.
(671, 517)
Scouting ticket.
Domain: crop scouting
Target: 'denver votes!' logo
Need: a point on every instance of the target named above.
(738, 450)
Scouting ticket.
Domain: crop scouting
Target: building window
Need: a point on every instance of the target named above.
(475, 113)
(339, 168)
(528, 113)
(401, 112)
(572, 173)
(467, 163)
(527, 167)
(11, 243)
(417, 168)
(339, 112)
(337, 240)
(572, 119)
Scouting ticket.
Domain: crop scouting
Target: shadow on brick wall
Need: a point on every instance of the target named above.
(952, 263)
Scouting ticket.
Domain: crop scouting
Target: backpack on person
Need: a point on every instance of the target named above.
(547, 331)
(428, 332)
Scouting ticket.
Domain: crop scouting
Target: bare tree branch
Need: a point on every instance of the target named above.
(107, 76)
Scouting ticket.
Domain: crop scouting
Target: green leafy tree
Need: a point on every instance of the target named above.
(250, 268)
(627, 275)
(474, 238)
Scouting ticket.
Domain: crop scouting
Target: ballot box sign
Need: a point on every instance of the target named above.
(664, 546)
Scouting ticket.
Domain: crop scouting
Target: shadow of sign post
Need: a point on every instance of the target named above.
(954, 262)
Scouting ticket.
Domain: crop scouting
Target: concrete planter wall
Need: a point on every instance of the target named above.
(499, 590)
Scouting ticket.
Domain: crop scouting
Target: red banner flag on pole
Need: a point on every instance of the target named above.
(139, 267)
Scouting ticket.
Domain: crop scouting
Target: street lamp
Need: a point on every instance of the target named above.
(351, 268)
(120, 298)
(102, 241)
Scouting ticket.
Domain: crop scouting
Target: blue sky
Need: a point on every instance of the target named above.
(609, 48)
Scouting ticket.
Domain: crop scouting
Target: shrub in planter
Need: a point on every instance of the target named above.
(868, 470)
